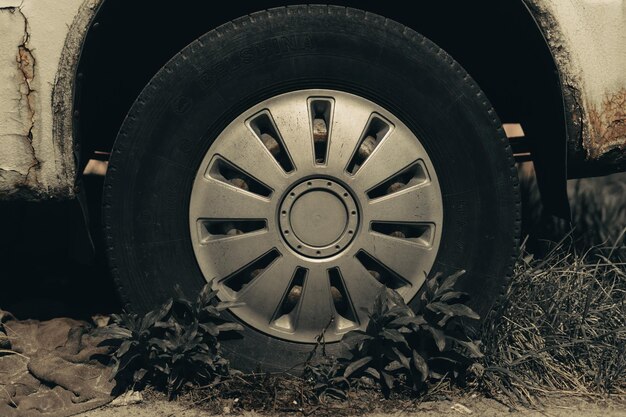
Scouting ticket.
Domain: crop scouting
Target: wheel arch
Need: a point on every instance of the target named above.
(498, 43)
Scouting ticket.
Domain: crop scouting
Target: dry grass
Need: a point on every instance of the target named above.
(561, 327)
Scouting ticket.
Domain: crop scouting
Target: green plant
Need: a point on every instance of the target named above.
(171, 346)
(399, 346)
(327, 376)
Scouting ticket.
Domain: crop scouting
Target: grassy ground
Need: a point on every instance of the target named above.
(561, 328)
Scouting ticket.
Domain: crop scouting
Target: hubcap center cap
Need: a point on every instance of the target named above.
(318, 218)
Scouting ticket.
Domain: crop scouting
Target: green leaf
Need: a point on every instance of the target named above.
(126, 360)
(211, 311)
(165, 309)
(380, 302)
(472, 347)
(139, 375)
(202, 357)
(420, 365)
(396, 298)
(372, 372)
(452, 295)
(354, 337)
(450, 363)
(114, 370)
(228, 327)
(116, 332)
(394, 335)
(405, 321)
(449, 283)
(438, 337)
(123, 349)
(403, 359)
(453, 310)
(388, 380)
(206, 295)
(399, 311)
(393, 366)
(163, 345)
(180, 295)
(431, 286)
(356, 365)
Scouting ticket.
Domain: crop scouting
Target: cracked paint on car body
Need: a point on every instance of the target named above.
(588, 42)
(39, 47)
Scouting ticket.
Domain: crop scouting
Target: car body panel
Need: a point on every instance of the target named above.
(40, 45)
(588, 42)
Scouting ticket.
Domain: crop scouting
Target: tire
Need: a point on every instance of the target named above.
(164, 150)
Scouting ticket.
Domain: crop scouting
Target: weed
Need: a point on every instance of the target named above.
(400, 348)
(171, 346)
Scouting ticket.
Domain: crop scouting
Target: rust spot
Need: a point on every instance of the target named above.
(26, 63)
(607, 125)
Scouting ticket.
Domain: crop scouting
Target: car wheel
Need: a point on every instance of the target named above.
(300, 159)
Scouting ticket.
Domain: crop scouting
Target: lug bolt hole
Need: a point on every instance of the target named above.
(350, 231)
(309, 183)
(318, 252)
(353, 213)
(329, 183)
(284, 212)
(286, 232)
(337, 247)
(345, 194)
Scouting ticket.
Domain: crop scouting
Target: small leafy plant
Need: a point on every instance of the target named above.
(327, 376)
(172, 346)
(400, 347)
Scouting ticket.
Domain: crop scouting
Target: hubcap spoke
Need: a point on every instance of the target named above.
(316, 308)
(265, 292)
(407, 259)
(245, 150)
(360, 286)
(395, 152)
(349, 123)
(234, 253)
(213, 199)
(293, 122)
(415, 204)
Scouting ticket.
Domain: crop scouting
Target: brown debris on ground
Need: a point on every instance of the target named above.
(47, 370)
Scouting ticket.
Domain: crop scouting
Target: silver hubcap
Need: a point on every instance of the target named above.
(306, 205)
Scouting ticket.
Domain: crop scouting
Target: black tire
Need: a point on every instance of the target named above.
(213, 80)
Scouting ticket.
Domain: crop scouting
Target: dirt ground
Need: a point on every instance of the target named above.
(476, 406)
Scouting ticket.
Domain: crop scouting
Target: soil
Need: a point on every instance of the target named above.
(463, 406)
